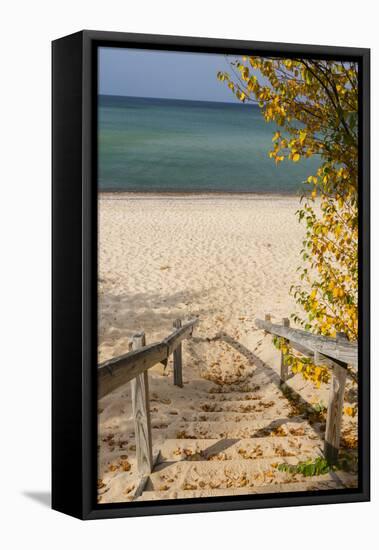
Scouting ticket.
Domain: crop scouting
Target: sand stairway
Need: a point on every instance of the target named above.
(231, 441)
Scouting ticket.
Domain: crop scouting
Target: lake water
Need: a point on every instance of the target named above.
(190, 146)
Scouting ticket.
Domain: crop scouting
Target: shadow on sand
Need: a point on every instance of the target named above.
(264, 368)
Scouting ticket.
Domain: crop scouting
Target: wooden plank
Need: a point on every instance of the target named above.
(302, 350)
(320, 359)
(183, 332)
(344, 351)
(120, 370)
(144, 479)
(283, 366)
(141, 413)
(267, 320)
(178, 380)
(335, 409)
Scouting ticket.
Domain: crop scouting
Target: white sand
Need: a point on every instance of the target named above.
(224, 258)
(218, 257)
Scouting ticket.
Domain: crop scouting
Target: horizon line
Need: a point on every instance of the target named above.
(179, 99)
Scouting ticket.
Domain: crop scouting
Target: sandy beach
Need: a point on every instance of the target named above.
(226, 259)
(220, 257)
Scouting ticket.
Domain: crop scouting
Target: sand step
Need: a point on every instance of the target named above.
(204, 398)
(295, 426)
(310, 485)
(258, 395)
(229, 417)
(236, 449)
(240, 406)
(231, 474)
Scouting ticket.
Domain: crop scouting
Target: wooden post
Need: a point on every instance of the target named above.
(335, 409)
(178, 380)
(283, 366)
(141, 412)
(268, 319)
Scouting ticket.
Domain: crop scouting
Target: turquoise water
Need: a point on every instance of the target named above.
(190, 146)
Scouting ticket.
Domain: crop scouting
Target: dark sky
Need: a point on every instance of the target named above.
(175, 75)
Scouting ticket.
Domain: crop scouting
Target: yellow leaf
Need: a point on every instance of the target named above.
(296, 157)
(350, 411)
(335, 292)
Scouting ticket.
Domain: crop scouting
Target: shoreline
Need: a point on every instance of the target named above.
(107, 195)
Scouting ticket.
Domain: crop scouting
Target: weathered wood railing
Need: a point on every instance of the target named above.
(132, 367)
(336, 353)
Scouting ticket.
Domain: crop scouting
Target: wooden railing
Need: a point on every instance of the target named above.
(336, 353)
(133, 367)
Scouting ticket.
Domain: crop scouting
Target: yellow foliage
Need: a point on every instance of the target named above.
(315, 103)
(351, 411)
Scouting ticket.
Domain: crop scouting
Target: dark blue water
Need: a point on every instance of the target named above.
(190, 146)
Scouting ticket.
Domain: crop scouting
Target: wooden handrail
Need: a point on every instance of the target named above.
(344, 351)
(336, 354)
(119, 370)
(133, 367)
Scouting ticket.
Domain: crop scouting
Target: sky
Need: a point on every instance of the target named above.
(163, 74)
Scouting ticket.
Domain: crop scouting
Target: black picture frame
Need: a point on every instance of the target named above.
(74, 272)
